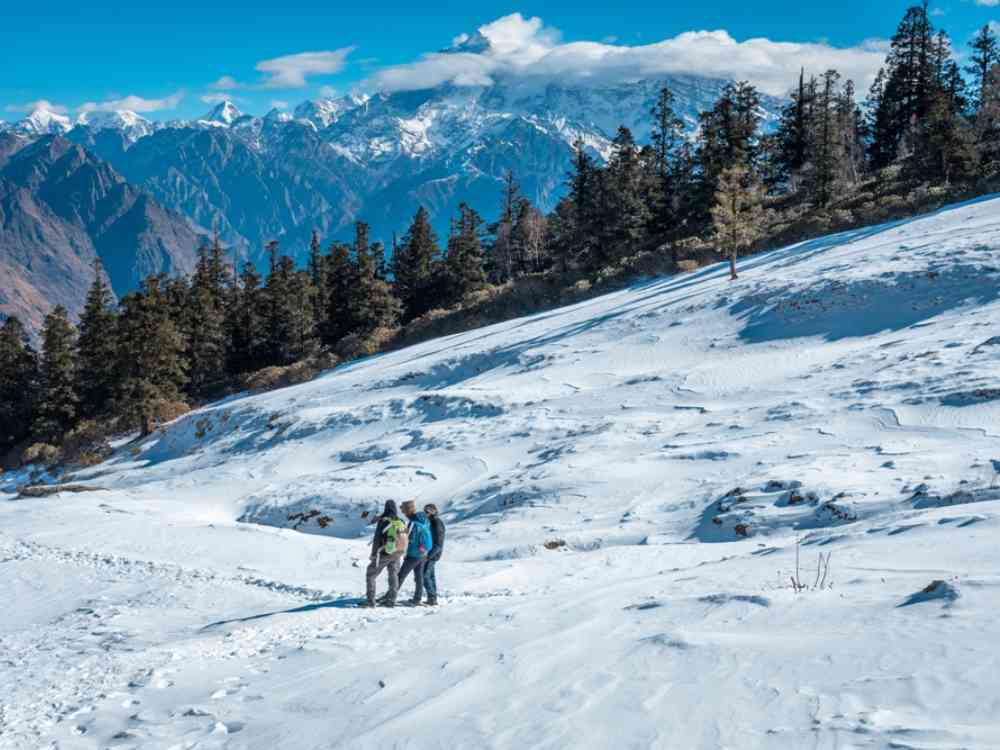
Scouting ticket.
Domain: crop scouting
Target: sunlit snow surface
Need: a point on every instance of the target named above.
(849, 387)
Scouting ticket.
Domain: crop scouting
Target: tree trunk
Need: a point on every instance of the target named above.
(732, 266)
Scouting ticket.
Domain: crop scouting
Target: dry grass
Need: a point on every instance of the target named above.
(272, 378)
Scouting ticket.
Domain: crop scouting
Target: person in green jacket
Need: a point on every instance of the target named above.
(387, 551)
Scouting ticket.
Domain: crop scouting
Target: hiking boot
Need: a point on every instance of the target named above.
(414, 602)
(386, 603)
(367, 605)
(432, 601)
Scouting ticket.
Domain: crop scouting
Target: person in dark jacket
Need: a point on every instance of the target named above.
(421, 544)
(437, 536)
(384, 556)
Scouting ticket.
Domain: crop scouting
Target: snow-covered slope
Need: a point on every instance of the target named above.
(628, 483)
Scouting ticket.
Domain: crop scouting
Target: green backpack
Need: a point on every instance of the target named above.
(397, 540)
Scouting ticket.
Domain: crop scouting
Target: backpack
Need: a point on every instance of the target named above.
(397, 540)
(421, 531)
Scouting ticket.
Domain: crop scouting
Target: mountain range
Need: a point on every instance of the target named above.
(61, 208)
(331, 162)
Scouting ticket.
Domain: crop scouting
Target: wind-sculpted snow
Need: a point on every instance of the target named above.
(692, 513)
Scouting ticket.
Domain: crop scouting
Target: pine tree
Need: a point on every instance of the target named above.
(371, 304)
(668, 143)
(245, 324)
(901, 94)
(582, 222)
(291, 326)
(792, 135)
(341, 275)
(58, 406)
(985, 55)
(825, 157)
(729, 131)
(465, 261)
(943, 142)
(203, 323)
(738, 213)
(416, 267)
(987, 128)
(317, 276)
(97, 349)
(625, 214)
(151, 357)
(729, 136)
(19, 384)
(503, 258)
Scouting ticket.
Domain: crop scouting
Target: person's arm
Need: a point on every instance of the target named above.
(437, 532)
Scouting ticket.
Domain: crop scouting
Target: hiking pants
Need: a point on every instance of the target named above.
(375, 568)
(430, 581)
(416, 565)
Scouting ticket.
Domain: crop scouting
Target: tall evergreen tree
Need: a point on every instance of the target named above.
(416, 267)
(987, 128)
(901, 94)
(985, 55)
(738, 213)
(18, 384)
(668, 142)
(793, 133)
(151, 356)
(582, 222)
(203, 322)
(291, 326)
(371, 304)
(625, 215)
(317, 277)
(341, 275)
(465, 261)
(504, 260)
(58, 405)
(246, 324)
(97, 349)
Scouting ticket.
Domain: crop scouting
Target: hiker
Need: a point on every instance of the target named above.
(388, 545)
(437, 539)
(421, 544)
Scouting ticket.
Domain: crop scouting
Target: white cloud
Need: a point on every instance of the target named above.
(988, 3)
(327, 92)
(279, 104)
(58, 109)
(218, 98)
(135, 104)
(530, 51)
(226, 83)
(291, 71)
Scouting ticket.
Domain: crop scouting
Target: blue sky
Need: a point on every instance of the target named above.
(172, 60)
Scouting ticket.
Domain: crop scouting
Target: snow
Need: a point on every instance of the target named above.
(44, 122)
(627, 482)
(133, 125)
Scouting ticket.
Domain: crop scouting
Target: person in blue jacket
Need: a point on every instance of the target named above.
(421, 544)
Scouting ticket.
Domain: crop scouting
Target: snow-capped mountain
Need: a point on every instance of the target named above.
(374, 158)
(130, 124)
(223, 114)
(324, 112)
(43, 122)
